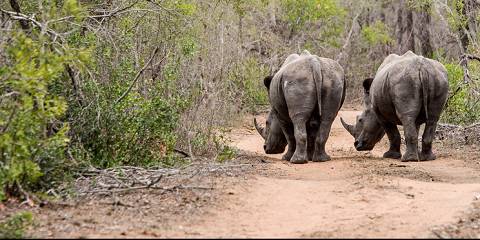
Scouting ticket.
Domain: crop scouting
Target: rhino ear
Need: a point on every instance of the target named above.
(267, 80)
(366, 85)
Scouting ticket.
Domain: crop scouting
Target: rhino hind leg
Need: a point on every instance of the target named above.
(427, 139)
(312, 131)
(320, 155)
(395, 141)
(291, 144)
(300, 132)
(411, 140)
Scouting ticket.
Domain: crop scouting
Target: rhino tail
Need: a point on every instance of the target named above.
(318, 81)
(424, 82)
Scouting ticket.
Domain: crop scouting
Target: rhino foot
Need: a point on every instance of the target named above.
(297, 159)
(410, 157)
(392, 154)
(321, 157)
(427, 156)
(287, 156)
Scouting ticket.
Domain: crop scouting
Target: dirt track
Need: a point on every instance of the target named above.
(354, 195)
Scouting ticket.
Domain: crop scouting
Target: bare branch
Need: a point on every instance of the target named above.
(137, 77)
(114, 12)
(43, 27)
(464, 63)
(16, 7)
(342, 54)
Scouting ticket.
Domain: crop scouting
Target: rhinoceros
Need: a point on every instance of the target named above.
(305, 96)
(407, 90)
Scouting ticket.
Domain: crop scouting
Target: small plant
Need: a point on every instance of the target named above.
(15, 226)
(226, 153)
(376, 34)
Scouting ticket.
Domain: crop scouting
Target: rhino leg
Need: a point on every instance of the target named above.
(427, 139)
(288, 132)
(300, 132)
(411, 139)
(395, 141)
(320, 155)
(312, 131)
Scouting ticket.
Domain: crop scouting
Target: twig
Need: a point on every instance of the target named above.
(137, 77)
(16, 7)
(113, 13)
(22, 17)
(10, 118)
(347, 40)
(181, 152)
(464, 63)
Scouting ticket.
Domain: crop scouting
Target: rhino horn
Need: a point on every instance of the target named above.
(350, 128)
(260, 129)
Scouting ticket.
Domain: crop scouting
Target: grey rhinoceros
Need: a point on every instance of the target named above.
(305, 96)
(407, 90)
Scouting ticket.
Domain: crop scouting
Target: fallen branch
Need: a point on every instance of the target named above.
(165, 189)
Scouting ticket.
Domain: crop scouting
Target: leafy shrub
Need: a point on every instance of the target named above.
(463, 106)
(15, 226)
(376, 33)
(32, 136)
(299, 12)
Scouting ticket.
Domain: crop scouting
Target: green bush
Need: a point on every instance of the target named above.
(32, 136)
(376, 33)
(247, 77)
(462, 107)
(15, 226)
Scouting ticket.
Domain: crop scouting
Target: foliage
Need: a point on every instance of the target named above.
(456, 18)
(225, 152)
(377, 33)
(138, 129)
(33, 139)
(122, 103)
(420, 5)
(15, 226)
(247, 77)
(463, 106)
(300, 12)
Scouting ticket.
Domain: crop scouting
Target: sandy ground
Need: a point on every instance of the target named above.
(356, 194)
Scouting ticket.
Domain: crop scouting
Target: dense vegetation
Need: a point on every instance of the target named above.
(129, 82)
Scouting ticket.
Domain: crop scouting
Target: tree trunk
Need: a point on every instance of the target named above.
(404, 28)
(469, 31)
(413, 30)
(421, 32)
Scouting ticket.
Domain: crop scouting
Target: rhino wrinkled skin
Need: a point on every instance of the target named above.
(407, 90)
(305, 96)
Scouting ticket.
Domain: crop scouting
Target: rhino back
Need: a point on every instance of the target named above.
(412, 80)
(295, 81)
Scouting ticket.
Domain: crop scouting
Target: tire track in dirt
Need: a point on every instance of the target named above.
(356, 194)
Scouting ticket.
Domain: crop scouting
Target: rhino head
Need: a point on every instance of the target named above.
(367, 130)
(275, 141)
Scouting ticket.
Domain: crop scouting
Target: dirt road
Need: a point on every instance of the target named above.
(356, 194)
